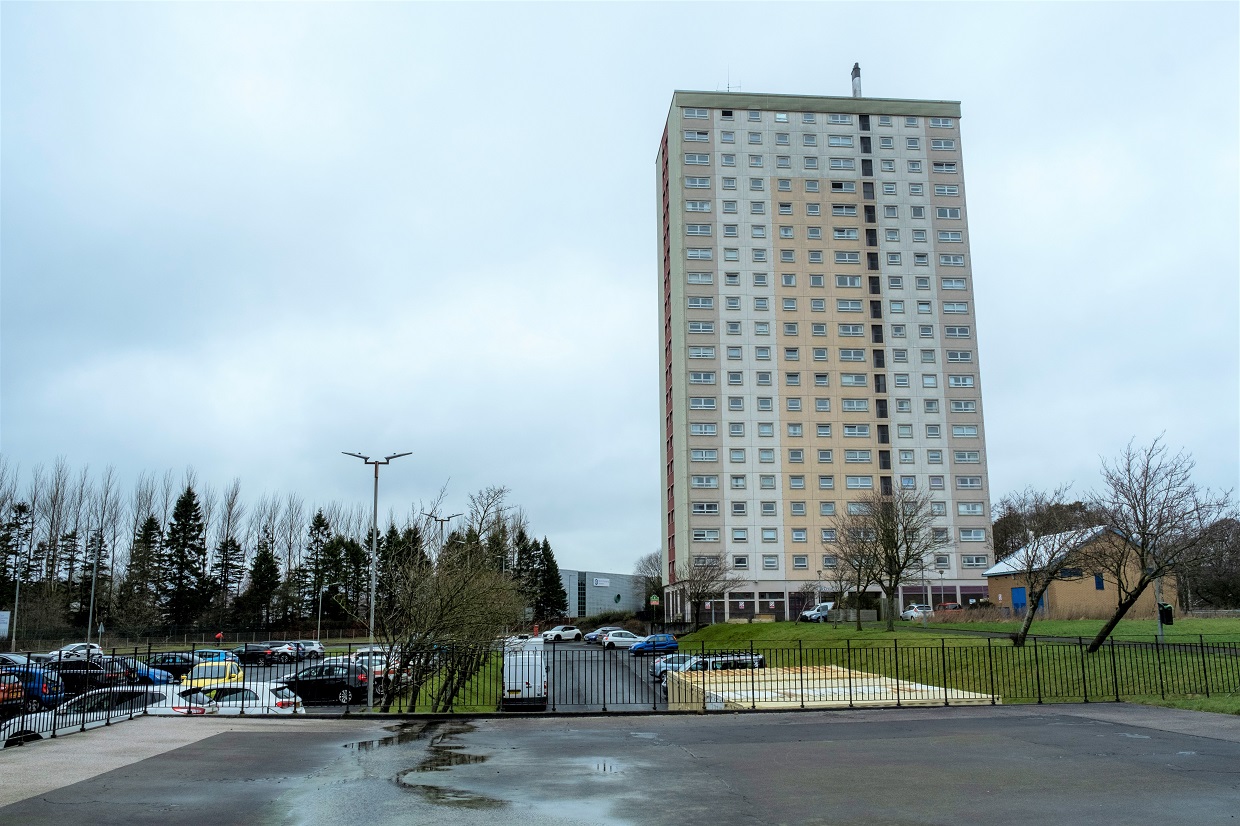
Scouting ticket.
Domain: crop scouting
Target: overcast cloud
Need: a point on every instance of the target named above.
(244, 237)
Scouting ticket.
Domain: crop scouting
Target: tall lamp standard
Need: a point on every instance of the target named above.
(442, 520)
(374, 558)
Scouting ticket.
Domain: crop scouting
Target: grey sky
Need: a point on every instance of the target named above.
(247, 237)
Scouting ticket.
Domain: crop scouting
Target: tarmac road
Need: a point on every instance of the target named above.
(1060, 764)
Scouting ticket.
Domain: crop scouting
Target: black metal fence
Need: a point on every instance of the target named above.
(70, 694)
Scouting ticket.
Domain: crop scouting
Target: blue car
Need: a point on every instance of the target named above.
(43, 687)
(139, 673)
(215, 655)
(655, 644)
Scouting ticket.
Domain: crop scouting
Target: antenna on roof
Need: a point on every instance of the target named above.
(729, 87)
(856, 80)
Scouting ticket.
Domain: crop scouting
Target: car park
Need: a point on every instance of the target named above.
(916, 611)
(101, 707)
(213, 672)
(619, 639)
(654, 644)
(252, 698)
(818, 613)
(562, 632)
(592, 637)
(42, 686)
(329, 682)
(176, 663)
(669, 662)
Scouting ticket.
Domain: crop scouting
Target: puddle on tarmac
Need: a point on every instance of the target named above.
(454, 797)
(441, 755)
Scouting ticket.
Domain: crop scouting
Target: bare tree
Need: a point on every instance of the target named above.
(896, 534)
(1150, 499)
(649, 573)
(1213, 579)
(853, 570)
(1053, 533)
(705, 577)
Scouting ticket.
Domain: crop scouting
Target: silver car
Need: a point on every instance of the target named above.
(619, 639)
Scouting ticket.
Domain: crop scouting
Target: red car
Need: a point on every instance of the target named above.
(948, 606)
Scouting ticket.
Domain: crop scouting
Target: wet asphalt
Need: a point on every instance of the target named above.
(1098, 763)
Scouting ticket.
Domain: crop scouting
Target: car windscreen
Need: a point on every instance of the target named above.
(209, 670)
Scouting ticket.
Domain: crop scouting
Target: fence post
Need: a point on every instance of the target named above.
(848, 643)
(1114, 670)
(943, 649)
(801, 658)
(705, 674)
(1080, 648)
(1205, 671)
(753, 689)
(990, 661)
(895, 647)
(1037, 669)
(1162, 689)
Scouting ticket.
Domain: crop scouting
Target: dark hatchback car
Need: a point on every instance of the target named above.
(83, 675)
(176, 663)
(331, 683)
(256, 653)
(42, 686)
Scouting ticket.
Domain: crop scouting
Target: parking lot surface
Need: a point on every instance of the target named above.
(1079, 764)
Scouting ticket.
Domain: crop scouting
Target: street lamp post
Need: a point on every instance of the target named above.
(942, 588)
(442, 520)
(374, 559)
(318, 629)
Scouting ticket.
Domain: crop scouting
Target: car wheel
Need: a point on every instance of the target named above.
(558, 637)
(611, 645)
(578, 637)
(345, 697)
(31, 706)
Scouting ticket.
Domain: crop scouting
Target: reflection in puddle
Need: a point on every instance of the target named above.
(404, 733)
(441, 755)
(455, 797)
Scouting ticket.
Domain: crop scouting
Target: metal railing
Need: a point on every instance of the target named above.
(66, 695)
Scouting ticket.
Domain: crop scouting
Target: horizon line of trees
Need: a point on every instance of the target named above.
(173, 555)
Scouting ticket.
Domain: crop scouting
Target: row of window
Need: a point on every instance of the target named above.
(796, 455)
(800, 562)
(847, 330)
(759, 256)
(913, 166)
(846, 354)
(788, 279)
(811, 139)
(756, 116)
(762, 303)
(813, 233)
(829, 535)
(796, 430)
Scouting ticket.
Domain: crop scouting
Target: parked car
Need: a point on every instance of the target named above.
(818, 613)
(311, 649)
(42, 686)
(80, 676)
(100, 707)
(592, 637)
(138, 672)
(562, 632)
(12, 696)
(7, 658)
(669, 662)
(76, 651)
(176, 663)
(213, 672)
(283, 651)
(948, 606)
(721, 661)
(914, 612)
(329, 683)
(251, 698)
(215, 655)
(255, 653)
(618, 639)
(654, 644)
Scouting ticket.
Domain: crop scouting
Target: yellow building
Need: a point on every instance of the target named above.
(1080, 591)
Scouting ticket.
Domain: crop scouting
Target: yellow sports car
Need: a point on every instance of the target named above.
(208, 673)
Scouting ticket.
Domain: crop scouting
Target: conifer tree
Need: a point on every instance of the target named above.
(185, 580)
(552, 598)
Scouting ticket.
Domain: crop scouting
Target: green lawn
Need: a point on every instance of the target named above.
(1187, 629)
(1172, 675)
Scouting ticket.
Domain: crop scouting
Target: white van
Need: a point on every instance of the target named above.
(525, 675)
(818, 613)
